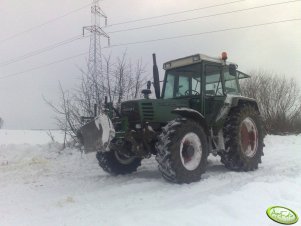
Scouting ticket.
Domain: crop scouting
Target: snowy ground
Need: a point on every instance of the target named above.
(42, 186)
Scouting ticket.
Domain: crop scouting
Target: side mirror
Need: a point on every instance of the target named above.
(232, 69)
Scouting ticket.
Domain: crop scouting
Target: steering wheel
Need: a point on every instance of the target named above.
(193, 92)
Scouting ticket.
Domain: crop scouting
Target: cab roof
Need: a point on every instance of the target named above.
(191, 60)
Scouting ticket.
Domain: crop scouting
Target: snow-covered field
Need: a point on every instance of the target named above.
(41, 185)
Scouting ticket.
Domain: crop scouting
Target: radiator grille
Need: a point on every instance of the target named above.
(130, 110)
(148, 111)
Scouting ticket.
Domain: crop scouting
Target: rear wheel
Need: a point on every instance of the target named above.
(116, 163)
(182, 151)
(244, 135)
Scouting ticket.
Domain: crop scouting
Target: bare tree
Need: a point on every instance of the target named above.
(121, 74)
(1, 122)
(118, 81)
(129, 80)
(278, 98)
(138, 80)
(67, 113)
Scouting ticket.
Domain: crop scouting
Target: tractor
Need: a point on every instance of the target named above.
(200, 111)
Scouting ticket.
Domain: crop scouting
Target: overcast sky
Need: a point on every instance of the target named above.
(275, 48)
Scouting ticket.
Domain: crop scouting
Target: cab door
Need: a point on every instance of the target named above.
(214, 91)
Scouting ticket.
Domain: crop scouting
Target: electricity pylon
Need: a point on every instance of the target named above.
(95, 59)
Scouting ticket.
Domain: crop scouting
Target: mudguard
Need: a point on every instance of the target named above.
(193, 114)
(233, 101)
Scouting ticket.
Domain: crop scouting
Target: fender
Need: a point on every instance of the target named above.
(237, 100)
(232, 101)
(193, 114)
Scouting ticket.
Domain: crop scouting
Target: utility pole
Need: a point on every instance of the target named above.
(95, 59)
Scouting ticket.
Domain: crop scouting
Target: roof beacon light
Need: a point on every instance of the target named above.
(224, 56)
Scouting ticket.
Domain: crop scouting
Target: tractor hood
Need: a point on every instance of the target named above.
(151, 110)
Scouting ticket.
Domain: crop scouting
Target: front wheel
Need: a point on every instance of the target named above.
(115, 163)
(182, 151)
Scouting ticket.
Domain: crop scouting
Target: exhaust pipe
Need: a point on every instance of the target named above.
(156, 77)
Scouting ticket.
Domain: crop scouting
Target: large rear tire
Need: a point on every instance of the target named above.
(182, 151)
(244, 134)
(117, 164)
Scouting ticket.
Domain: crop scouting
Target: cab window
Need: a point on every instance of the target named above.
(230, 83)
(213, 81)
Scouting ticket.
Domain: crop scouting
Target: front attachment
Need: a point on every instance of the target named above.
(97, 134)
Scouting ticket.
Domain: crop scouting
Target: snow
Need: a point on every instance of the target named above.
(188, 110)
(41, 185)
(104, 123)
(195, 159)
(29, 136)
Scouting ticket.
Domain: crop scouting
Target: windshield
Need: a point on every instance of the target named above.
(184, 81)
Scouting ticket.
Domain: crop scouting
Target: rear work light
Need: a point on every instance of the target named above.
(224, 56)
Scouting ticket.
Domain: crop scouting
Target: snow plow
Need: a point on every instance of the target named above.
(97, 133)
(200, 111)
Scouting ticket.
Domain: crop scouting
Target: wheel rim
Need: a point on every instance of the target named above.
(191, 151)
(123, 159)
(248, 137)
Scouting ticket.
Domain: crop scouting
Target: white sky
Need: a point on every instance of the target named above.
(275, 48)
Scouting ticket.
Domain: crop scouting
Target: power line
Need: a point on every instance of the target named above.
(207, 32)
(176, 13)
(44, 65)
(155, 40)
(43, 24)
(48, 48)
(40, 51)
(207, 16)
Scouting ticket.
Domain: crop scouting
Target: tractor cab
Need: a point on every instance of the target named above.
(205, 80)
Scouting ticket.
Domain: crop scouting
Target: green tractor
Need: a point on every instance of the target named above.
(200, 111)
